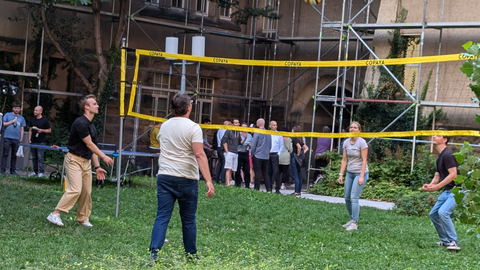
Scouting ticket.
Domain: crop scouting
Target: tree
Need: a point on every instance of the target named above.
(467, 196)
(242, 15)
(100, 55)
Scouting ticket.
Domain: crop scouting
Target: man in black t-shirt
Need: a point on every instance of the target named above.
(445, 175)
(82, 147)
(39, 127)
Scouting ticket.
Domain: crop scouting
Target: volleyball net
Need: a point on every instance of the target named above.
(139, 54)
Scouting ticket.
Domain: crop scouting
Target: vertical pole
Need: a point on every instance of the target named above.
(344, 78)
(122, 106)
(251, 70)
(319, 56)
(183, 81)
(419, 76)
(436, 74)
(40, 67)
(128, 22)
(136, 120)
(335, 105)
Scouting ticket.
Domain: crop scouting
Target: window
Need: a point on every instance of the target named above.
(269, 25)
(206, 86)
(160, 80)
(225, 12)
(202, 5)
(177, 3)
(160, 104)
(204, 106)
(411, 70)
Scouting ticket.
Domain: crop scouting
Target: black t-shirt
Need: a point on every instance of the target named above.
(294, 145)
(41, 123)
(445, 161)
(81, 128)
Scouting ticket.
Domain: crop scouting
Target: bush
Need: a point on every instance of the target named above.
(416, 203)
(384, 191)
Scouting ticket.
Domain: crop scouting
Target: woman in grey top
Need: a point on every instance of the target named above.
(355, 151)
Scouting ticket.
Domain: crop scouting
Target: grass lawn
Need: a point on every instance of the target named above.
(237, 229)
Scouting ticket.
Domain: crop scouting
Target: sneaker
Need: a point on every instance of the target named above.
(87, 224)
(55, 219)
(40, 175)
(283, 187)
(453, 246)
(442, 244)
(232, 183)
(252, 185)
(352, 227)
(14, 174)
(347, 224)
(32, 174)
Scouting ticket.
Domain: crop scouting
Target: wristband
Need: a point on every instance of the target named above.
(340, 174)
(98, 167)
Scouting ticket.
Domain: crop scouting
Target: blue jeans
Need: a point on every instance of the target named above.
(440, 216)
(38, 159)
(296, 174)
(170, 189)
(352, 193)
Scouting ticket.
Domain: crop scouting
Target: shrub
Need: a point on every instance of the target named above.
(384, 191)
(416, 203)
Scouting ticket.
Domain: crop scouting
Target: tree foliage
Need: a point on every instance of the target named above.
(467, 196)
(242, 15)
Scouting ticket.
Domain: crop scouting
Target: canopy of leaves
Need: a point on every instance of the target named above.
(242, 15)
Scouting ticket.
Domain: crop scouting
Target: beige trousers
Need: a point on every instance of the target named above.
(79, 187)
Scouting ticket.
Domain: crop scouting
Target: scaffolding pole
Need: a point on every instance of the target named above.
(319, 55)
(419, 83)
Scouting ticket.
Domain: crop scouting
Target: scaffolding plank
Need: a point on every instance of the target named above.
(299, 39)
(449, 104)
(416, 25)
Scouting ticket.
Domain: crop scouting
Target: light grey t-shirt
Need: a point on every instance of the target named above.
(354, 155)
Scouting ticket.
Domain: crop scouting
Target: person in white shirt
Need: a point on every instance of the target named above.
(275, 151)
(181, 156)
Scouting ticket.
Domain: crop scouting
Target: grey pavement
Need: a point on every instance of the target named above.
(375, 204)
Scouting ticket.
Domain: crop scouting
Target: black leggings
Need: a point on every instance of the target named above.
(284, 171)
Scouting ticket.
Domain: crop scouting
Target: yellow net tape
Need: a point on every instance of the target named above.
(303, 64)
(308, 64)
(395, 134)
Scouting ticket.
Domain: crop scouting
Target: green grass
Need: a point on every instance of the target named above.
(237, 229)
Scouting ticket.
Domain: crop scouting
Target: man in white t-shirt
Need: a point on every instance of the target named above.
(181, 155)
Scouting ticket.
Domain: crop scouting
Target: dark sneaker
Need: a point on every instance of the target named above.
(442, 244)
(453, 246)
(14, 174)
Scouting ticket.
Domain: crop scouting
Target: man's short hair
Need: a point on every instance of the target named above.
(205, 120)
(445, 137)
(326, 129)
(16, 105)
(83, 102)
(179, 104)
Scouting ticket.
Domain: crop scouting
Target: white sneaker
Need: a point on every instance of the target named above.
(55, 219)
(347, 224)
(283, 187)
(40, 174)
(252, 185)
(87, 224)
(32, 174)
(352, 227)
(232, 183)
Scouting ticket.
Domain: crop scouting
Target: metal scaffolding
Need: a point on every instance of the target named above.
(353, 36)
